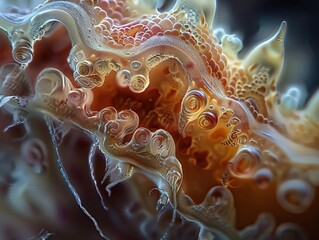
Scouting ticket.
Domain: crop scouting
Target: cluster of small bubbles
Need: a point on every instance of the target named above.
(123, 78)
(295, 195)
(199, 54)
(207, 120)
(138, 83)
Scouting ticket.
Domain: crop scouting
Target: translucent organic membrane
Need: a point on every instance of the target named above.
(135, 119)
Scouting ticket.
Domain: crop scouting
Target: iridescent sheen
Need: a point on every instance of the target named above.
(161, 102)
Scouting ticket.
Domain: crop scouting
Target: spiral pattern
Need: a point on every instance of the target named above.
(22, 52)
(142, 136)
(85, 82)
(53, 83)
(101, 67)
(127, 115)
(194, 101)
(77, 97)
(173, 177)
(22, 55)
(128, 121)
(84, 68)
(207, 120)
(245, 163)
(113, 128)
(138, 83)
(107, 114)
(157, 143)
(123, 78)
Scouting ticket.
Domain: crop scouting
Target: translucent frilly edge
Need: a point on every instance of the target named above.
(131, 119)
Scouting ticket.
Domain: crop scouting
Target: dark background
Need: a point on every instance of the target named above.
(256, 20)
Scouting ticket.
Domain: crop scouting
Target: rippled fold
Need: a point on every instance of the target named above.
(136, 119)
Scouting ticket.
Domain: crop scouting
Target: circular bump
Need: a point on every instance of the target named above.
(173, 177)
(84, 81)
(207, 120)
(107, 114)
(263, 178)
(128, 120)
(136, 65)
(123, 78)
(84, 68)
(34, 152)
(295, 195)
(215, 195)
(245, 163)
(232, 43)
(293, 98)
(96, 80)
(141, 137)
(234, 121)
(290, 231)
(157, 143)
(22, 52)
(219, 200)
(101, 66)
(113, 128)
(52, 83)
(138, 83)
(77, 98)
(127, 115)
(174, 174)
(161, 144)
(194, 101)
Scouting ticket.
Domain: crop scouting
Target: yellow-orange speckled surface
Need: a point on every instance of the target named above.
(147, 124)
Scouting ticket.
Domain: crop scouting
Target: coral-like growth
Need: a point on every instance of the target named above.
(152, 102)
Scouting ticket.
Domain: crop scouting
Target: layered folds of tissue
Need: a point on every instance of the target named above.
(140, 108)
